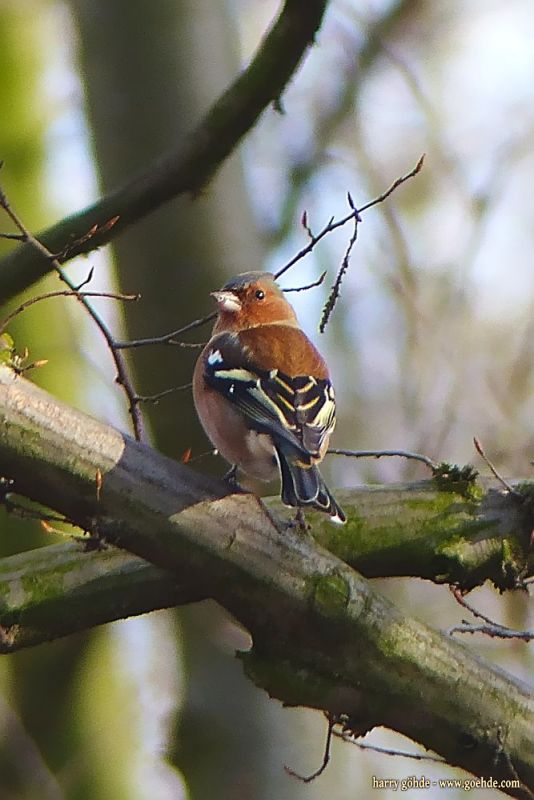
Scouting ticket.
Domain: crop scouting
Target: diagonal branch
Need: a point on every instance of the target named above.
(191, 164)
(322, 637)
(76, 587)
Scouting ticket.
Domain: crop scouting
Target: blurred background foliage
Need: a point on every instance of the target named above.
(431, 343)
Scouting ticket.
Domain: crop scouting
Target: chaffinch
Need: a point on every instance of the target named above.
(263, 393)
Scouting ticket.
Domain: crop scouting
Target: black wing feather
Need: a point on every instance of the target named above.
(299, 411)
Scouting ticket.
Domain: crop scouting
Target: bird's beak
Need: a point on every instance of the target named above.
(227, 301)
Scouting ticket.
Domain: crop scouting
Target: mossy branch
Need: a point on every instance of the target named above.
(409, 530)
(73, 587)
(192, 163)
(322, 636)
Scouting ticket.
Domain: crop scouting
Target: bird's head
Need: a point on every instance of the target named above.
(252, 299)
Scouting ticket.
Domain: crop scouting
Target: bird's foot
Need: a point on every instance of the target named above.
(299, 522)
(230, 478)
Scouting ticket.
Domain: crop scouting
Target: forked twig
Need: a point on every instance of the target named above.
(117, 346)
(123, 378)
(314, 239)
(489, 628)
(334, 224)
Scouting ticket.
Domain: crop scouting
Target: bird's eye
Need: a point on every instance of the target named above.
(259, 294)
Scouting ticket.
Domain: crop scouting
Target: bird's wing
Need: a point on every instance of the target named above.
(297, 411)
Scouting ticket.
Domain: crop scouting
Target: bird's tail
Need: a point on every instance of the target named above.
(303, 485)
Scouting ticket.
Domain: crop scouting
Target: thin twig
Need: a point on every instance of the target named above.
(122, 378)
(168, 338)
(333, 224)
(480, 450)
(336, 288)
(155, 398)
(395, 185)
(494, 631)
(318, 282)
(460, 599)
(326, 757)
(63, 293)
(116, 346)
(17, 237)
(305, 224)
(93, 230)
(187, 345)
(201, 456)
(27, 512)
(338, 451)
(490, 628)
(87, 280)
(346, 736)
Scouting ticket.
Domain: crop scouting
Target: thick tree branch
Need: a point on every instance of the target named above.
(74, 588)
(188, 167)
(322, 636)
(411, 530)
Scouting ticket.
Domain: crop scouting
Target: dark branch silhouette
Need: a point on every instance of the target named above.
(189, 167)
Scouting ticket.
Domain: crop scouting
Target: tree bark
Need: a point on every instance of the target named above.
(322, 637)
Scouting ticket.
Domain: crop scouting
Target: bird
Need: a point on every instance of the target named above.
(263, 394)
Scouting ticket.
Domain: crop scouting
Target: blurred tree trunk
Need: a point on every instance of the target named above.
(151, 70)
(38, 732)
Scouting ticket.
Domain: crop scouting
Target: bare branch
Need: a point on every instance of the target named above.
(305, 224)
(495, 631)
(63, 293)
(87, 280)
(490, 628)
(171, 338)
(333, 224)
(336, 288)
(168, 338)
(502, 481)
(339, 451)
(122, 378)
(191, 164)
(326, 756)
(318, 282)
(17, 237)
(395, 185)
(323, 637)
(155, 398)
(348, 736)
